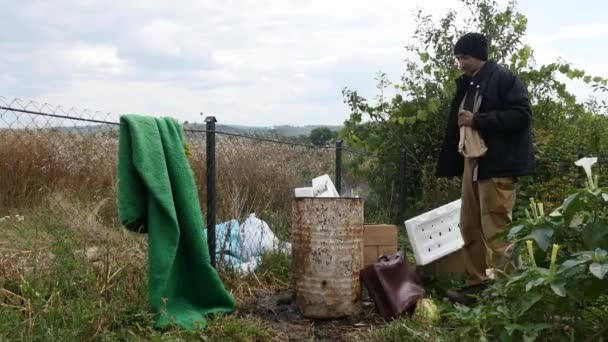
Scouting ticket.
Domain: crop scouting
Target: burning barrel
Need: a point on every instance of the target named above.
(327, 252)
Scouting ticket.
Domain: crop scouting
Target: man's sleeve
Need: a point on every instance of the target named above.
(450, 162)
(516, 115)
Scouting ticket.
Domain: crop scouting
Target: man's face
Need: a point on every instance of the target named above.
(468, 64)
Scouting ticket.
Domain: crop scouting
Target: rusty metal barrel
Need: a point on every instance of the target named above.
(327, 252)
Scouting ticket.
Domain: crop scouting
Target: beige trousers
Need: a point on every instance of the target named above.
(487, 207)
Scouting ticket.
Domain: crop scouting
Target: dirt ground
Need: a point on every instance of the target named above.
(279, 312)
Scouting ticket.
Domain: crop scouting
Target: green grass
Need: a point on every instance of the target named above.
(52, 291)
(276, 268)
(405, 329)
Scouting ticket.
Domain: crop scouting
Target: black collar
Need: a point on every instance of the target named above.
(484, 72)
(480, 77)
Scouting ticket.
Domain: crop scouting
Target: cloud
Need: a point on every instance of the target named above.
(93, 60)
(588, 31)
(576, 44)
(162, 36)
(251, 62)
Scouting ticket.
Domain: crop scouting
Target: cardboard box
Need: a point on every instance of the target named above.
(451, 263)
(378, 239)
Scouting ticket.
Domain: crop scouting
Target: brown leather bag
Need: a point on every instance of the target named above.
(393, 285)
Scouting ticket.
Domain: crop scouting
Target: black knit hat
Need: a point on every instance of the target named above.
(474, 44)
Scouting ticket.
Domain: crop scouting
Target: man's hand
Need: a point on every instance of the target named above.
(465, 118)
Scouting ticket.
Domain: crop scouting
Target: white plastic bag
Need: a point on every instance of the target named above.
(257, 239)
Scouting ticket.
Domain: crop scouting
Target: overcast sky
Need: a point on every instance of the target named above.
(265, 62)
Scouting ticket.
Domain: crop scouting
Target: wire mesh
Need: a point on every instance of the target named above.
(64, 160)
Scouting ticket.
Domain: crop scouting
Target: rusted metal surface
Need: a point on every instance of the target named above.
(327, 251)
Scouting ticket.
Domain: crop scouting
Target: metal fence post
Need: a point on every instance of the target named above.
(339, 166)
(402, 186)
(211, 190)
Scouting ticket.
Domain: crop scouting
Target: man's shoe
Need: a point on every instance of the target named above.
(466, 296)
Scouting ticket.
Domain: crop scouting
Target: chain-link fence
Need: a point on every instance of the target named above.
(64, 160)
(250, 182)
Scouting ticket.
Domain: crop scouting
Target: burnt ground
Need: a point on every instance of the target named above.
(279, 312)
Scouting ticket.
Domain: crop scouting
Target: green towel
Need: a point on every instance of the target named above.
(157, 194)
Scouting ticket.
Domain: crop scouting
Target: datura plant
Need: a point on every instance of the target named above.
(561, 270)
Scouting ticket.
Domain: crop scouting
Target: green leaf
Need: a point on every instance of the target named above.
(600, 253)
(572, 205)
(534, 283)
(514, 59)
(513, 231)
(424, 57)
(516, 278)
(513, 327)
(427, 69)
(598, 270)
(595, 234)
(532, 330)
(586, 255)
(525, 56)
(422, 115)
(516, 253)
(576, 204)
(541, 257)
(542, 237)
(433, 105)
(527, 302)
(568, 264)
(559, 289)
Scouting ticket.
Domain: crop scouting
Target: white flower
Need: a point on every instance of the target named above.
(491, 273)
(556, 213)
(605, 197)
(586, 163)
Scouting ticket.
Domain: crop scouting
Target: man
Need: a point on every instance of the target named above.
(492, 104)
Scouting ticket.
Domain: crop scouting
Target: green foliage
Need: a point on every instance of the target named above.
(276, 268)
(416, 116)
(321, 136)
(405, 329)
(552, 294)
(50, 290)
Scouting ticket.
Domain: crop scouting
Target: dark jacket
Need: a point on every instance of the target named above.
(503, 121)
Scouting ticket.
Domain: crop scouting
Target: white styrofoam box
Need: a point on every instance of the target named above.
(304, 192)
(322, 186)
(435, 233)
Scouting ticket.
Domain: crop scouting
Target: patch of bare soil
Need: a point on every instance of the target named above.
(280, 312)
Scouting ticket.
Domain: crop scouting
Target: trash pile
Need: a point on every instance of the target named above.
(241, 247)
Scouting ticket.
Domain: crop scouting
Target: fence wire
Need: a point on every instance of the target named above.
(64, 160)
